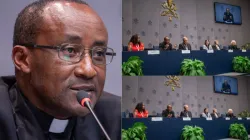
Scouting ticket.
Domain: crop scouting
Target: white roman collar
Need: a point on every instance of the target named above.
(58, 126)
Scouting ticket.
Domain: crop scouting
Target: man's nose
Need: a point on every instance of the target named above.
(86, 68)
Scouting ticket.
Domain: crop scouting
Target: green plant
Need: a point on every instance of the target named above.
(244, 114)
(192, 133)
(246, 46)
(192, 68)
(136, 132)
(133, 67)
(241, 64)
(238, 131)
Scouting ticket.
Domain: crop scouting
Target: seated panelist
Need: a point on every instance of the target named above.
(186, 112)
(135, 44)
(166, 45)
(185, 45)
(169, 113)
(140, 111)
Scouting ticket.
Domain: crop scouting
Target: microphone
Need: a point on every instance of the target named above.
(83, 98)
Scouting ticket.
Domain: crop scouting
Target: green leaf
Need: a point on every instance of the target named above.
(241, 64)
(192, 133)
(132, 67)
(192, 68)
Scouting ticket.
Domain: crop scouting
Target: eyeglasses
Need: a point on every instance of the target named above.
(74, 53)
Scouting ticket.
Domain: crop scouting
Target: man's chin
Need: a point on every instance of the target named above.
(83, 112)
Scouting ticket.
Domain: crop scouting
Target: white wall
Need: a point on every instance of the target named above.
(111, 17)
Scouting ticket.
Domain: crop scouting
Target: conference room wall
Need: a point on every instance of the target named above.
(112, 19)
(197, 92)
(196, 22)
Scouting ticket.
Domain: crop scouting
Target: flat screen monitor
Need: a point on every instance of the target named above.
(226, 85)
(227, 14)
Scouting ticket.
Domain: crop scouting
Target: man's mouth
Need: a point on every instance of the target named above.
(90, 89)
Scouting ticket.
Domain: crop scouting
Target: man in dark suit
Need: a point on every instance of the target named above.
(226, 88)
(166, 45)
(214, 114)
(228, 16)
(185, 45)
(186, 112)
(56, 53)
(169, 113)
(230, 113)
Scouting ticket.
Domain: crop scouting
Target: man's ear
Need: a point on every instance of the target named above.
(22, 58)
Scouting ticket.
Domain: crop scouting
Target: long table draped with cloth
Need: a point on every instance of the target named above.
(169, 62)
(171, 129)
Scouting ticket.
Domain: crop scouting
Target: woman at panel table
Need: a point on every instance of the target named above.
(205, 114)
(135, 44)
(140, 111)
(207, 46)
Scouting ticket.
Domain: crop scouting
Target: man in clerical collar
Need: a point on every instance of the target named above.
(59, 48)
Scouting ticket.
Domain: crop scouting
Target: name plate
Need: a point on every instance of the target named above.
(244, 50)
(227, 118)
(239, 118)
(156, 119)
(210, 51)
(248, 118)
(153, 52)
(185, 51)
(186, 119)
(230, 51)
(209, 119)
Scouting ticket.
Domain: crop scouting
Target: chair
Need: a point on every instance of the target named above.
(124, 48)
(130, 115)
(225, 47)
(124, 114)
(222, 115)
(159, 115)
(156, 47)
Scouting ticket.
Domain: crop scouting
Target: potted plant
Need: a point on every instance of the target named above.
(192, 133)
(244, 114)
(133, 67)
(191, 67)
(136, 132)
(241, 64)
(246, 46)
(238, 131)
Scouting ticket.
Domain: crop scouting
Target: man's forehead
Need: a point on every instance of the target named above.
(61, 10)
(72, 21)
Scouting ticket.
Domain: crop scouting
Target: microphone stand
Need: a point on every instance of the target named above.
(90, 109)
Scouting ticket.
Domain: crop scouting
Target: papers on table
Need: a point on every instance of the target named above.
(209, 119)
(153, 52)
(185, 51)
(227, 118)
(186, 119)
(210, 51)
(156, 119)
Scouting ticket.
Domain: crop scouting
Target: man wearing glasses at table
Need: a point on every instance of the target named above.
(59, 48)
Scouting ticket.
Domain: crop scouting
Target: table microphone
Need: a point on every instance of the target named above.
(83, 98)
